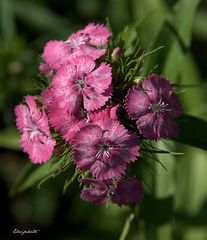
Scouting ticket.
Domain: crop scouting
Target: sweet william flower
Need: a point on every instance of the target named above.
(155, 107)
(97, 193)
(82, 43)
(105, 149)
(35, 138)
(128, 191)
(120, 191)
(82, 82)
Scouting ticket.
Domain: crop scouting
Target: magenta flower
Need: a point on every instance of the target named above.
(127, 191)
(155, 107)
(120, 191)
(82, 43)
(82, 82)
(35, 139)
(105, 151)
(97, 193)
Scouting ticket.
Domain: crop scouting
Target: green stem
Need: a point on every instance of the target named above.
(126, 227)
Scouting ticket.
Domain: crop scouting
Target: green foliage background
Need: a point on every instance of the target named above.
(175, 206)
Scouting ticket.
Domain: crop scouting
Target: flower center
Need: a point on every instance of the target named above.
(159, 107)
(105, 149)
(81, 83)
(34, 131)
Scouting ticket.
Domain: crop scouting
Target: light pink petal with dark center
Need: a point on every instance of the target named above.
(137, 103)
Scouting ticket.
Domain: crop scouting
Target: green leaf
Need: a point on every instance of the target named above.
(41, 18)
(9, 138)
(33, 174)
(193, 131)
(7, 26)
(175, 35)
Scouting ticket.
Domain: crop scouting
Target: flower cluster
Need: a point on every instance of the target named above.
(79, 106)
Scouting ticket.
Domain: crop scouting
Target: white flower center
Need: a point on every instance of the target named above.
(105, 149)
(161, 106)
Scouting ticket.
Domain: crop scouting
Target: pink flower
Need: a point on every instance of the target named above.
(35, 139)
(105, 151)
(65, 123)
(97, 193)
(120, 191)
(97, 34)
(82, 43)
(102, 116)
(155, 107)
(127, 191)
(55, 54)
(82, 82)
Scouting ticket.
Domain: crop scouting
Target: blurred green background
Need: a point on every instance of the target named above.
(176, 206)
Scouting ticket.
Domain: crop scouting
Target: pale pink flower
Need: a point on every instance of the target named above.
(35, 139)
(82, 43)
(97, 34)
(155, 107)
(81, 82)
(65, 123)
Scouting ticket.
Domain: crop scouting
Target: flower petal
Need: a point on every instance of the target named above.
(137, 103)
(128, 191)
(98, 34)
(56, 53)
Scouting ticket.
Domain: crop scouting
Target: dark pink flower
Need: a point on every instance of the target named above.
(97, 193)
(81, 82)
(155, 107)
(105, 151)
(127, 191)
(120, 191)
(35, 139)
